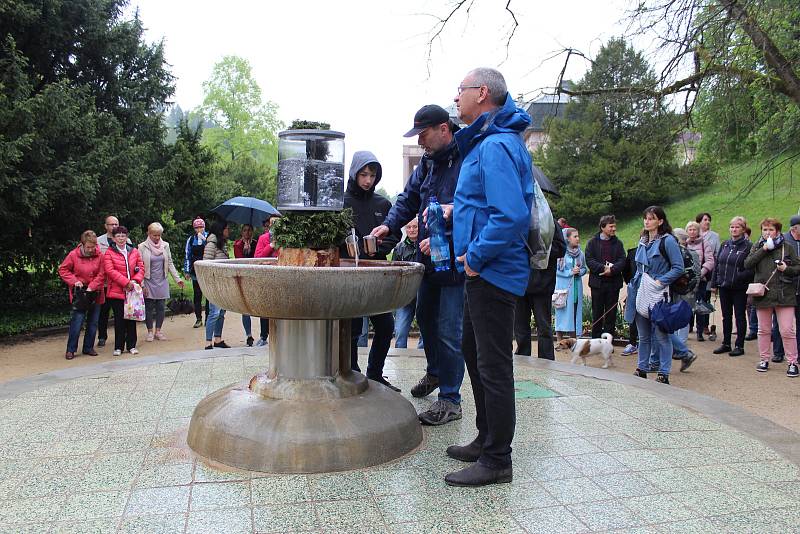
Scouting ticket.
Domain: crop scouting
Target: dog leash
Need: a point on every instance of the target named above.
(619, 305)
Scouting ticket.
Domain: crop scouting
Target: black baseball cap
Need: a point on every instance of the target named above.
(429, 115)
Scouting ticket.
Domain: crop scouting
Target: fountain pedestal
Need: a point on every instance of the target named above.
(308, 412)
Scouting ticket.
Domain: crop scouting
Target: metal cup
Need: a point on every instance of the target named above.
(352, 245)
(370, 244)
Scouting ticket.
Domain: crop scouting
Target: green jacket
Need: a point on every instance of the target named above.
(781, 290)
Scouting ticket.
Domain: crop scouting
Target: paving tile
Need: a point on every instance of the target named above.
(159, 501)
(673, 480)
(576, 490)
(231, 521)
(776, 471)
(421, 527)
(280, 489)
(396, 481)
(279, 518)
(542, 469)
(494, 523)
(165, 475)
(606, 515)
(351, 485)
(31, 510)
(153, 524)
(213, 495)
(553, 520)
(346, 515)
(519, 496)
(97, 505)
(625, 485)
(27, 528)
(597, 464)
(406, 508)
(95, 526)
(658, 508)
(205, 473)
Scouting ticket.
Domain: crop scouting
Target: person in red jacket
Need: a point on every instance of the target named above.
(82, 270)
(264, 248)
(124, 268)
(245, 247)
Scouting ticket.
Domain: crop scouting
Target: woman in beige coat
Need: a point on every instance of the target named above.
(157, 260)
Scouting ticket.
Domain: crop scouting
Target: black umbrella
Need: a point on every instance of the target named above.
(246, 210)
(544, 182)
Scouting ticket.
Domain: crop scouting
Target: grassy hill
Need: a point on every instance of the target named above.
(778, 195)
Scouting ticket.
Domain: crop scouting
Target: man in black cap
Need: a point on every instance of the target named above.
(440, 300)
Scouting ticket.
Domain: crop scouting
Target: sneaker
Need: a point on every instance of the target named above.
(160, 336)
(722, 349)
(101, 342)
(426, 385)
(640, 373)
(630, 349)
(662, 378)
(441, 412)
(134, 351)
(198, 323)
(249, 341)
(712, 334)
(777, 358)
(117, 352)
(221, 345)
(261, 342)
(737, 351)
(792, 372)
(687, 361)
(149, 337)
(209, 347)
(763, 366)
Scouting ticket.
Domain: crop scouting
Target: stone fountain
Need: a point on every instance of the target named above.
(309, 411)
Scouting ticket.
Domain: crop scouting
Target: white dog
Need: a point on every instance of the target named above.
(583, 348)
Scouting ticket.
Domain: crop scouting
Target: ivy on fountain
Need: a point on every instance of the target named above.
(315, 230)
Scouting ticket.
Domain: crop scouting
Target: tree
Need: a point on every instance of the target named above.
(610, 152)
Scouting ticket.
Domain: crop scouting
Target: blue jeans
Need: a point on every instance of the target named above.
(92, 315)
(402, 324)
(678, 339)
(440, 312)
(752, 320)
(363, 339)
(653, 339)
(214, 321)
(247, 324)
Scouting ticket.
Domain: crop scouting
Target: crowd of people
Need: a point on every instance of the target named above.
(470, 311)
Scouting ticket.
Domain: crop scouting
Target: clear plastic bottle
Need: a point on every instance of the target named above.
(440, 249)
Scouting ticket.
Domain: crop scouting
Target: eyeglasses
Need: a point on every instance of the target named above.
(462, 87)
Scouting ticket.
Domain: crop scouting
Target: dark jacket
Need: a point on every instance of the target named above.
(406, 250)
(781, 284)
(369, 208)
(730, 271)
(596, 263)
(543, 281)
(436, 175)
(795, 244)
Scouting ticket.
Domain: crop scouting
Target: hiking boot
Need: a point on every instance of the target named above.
(640, 373)
(700, 337)
(792, 372)
(722, 349)
(198, 323)
(479, 475)
(630, 349)
(687, 361)
(101, 342)
(712, 335)
(465, 453)
(249, 341)
(777, 358)
(426, 385)
(382, 380)
(664, 379)
(751, 337)
(441, 412)
(737, 351)
(763, 366)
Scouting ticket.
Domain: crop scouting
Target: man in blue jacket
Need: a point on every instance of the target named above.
(440, 299)
(492, 210)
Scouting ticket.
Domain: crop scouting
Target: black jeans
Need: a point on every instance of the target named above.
(198, 301)
(124, 329)
(603, 300)
(702, 295)
(102, 322)
(383, 324)
(633, 338)
(733, 301)
(541, 306)
(486, 344)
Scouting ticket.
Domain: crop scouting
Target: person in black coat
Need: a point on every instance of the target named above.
(605, 258)
(538, 299)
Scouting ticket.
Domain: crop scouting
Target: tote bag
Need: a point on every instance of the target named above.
(650, 293)
(134, 304)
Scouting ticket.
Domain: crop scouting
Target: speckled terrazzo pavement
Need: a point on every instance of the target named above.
(107, 453)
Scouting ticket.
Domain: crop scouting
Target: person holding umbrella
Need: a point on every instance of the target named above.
(245, 247)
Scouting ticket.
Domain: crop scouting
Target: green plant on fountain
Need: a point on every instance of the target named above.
(319, 230)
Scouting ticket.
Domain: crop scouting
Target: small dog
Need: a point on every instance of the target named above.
(583, 348)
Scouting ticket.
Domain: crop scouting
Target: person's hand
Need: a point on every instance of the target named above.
(181, 284)
(576, 270)
(765, 248)
(781, 266)
(447, 210)
(425, 246)
(380, 232)
(425, 216)
(78, 284)
(470, 272)
(144, 291)
(660, 283)
(129, 285)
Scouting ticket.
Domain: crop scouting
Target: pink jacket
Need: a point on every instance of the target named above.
(119, 273)
(85, 269)
(705, 251)
(264, 248)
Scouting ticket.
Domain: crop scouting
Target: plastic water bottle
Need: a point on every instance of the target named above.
(440, 249)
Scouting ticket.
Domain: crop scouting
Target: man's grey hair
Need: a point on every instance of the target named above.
(494, 81)
(681, 235)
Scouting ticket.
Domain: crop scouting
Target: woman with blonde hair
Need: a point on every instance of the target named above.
(704, 249)
(157, 260)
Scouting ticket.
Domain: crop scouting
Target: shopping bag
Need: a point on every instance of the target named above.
(649, 294)
(541, 230)
(134, 304)
(560, 298)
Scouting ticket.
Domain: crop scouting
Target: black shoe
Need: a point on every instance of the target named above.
(664, 379)
(737, 351)
(385, 382)
(209, 347)
(777, 358)
(676, 356)
(221, 345)
(101, 342)
(250, 341)
(763, 366)
(640, 373)
(465, 453)
(792, 372)
(700, 337)
(479, 475)
(722, 349)
(712, 334)
(90, 352)
(687, 361)
(426, 385)
(751, 337)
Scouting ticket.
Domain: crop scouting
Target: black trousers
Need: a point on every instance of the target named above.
(603, 300)
(733, 302)
(102, 323)
(541, 306)
(486, 344)
(383, 325)
(124, 329)
(198, 301)
(633, 338)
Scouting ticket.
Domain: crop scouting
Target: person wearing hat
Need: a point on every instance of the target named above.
(792, 239)
(440, 299)
(195, 246)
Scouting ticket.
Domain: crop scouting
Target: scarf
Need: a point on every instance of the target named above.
(574, 253)
(156, 249)
(778, 241)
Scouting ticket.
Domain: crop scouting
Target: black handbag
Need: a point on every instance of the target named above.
(82, 299)
(180, 305)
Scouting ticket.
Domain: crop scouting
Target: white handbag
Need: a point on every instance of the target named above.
(649, 294)
(560, 298)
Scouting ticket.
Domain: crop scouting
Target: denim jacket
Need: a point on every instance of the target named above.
(649, 260)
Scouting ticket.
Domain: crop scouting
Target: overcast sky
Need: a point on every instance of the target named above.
(361, 65)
